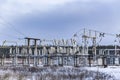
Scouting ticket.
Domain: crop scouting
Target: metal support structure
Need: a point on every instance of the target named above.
(35, 61)
(62, 47)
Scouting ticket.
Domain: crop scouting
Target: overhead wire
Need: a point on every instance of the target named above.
(12, 26)
(9, 35)
(111, 34)
(101, 34)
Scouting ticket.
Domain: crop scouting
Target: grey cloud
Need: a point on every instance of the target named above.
(66, 19)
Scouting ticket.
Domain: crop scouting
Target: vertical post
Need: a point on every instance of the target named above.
(28, 52)
(2, 61)
(67, 59)
(10, 52)
(115, 48)
(35, 53)
(58, 60)
(16, 51)
(74, 60)
(89, 58)
(94, 50)
(62, 59)
(13, 58)
(85, 46)
(116, 59)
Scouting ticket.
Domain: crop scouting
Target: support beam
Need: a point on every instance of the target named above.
(35, 50)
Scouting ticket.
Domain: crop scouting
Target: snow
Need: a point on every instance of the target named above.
(111, 70)
(64, 73)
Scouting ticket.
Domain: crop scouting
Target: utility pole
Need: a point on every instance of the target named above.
(28, 51)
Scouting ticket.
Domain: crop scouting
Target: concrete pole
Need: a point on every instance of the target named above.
(94, 50)
(10, 51)
(116, 59)
(28, 52)
(14, 55)
(2, 60)
(16, 51)
(35, 53)
(85, 49)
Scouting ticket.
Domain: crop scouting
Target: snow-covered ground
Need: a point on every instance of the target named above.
(63, 73)
(113, 71)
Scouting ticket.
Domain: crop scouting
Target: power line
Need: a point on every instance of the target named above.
(12, 26)
(1, 33)
(78, 32)
(8, 35)
(110, 34)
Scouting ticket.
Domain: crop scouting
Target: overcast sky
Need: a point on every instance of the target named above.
(52, 19)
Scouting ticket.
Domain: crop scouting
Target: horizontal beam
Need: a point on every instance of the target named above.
(31, 38)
